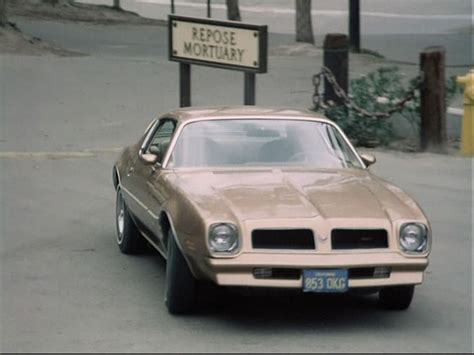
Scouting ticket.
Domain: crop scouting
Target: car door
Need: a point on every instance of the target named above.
(147, 190)
(129, 179)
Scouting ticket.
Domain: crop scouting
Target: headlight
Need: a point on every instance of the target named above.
(414, 237)
(223, 238)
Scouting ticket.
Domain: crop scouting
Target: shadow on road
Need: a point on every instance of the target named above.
(262, 308)
(283, 308)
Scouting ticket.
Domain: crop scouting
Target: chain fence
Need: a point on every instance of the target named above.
(348, 102)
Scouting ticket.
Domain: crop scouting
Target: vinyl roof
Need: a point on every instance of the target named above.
(261, 112)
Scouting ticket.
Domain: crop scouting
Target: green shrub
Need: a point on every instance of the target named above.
(386, 83)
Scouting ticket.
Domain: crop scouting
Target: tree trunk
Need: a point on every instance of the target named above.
(117, 5)
(304, 26)
(3, 13)
(233, 12)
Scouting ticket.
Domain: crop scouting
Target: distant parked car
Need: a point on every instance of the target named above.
(266, 197)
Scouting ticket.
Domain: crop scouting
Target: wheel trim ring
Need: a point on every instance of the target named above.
(120, 218)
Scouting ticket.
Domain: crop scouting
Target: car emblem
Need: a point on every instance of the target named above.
(323, 237)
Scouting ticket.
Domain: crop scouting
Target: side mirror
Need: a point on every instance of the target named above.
(368, 159)
(157, 150)
(149, 158)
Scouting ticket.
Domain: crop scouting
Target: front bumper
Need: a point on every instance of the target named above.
(239, 271)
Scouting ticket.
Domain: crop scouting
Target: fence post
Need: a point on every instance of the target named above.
(336, 58)
(433, 100)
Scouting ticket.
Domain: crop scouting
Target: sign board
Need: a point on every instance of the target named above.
(223, 44)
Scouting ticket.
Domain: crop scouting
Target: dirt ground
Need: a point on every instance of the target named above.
(13, 41)
(76, 12)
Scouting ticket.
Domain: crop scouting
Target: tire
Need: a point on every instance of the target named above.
(397, 298)
(180, 295)
(129, 238)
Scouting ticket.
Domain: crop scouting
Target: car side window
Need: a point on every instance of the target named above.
(161, 139)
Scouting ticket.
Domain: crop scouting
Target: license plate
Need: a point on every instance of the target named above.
(325, 280)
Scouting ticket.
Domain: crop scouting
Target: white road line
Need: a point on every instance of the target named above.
(45, 155)
(86, 153)
(291, 11)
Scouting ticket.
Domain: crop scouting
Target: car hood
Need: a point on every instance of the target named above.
(277, 193)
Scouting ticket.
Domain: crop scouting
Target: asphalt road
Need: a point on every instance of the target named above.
(399, 30)
(64, 286)
(379, 16)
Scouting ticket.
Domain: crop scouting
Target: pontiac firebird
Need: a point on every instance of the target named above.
(266, 197)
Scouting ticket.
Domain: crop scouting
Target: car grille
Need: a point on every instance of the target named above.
(277, 273)
(359, 239)
(361, 273)
(291, 239)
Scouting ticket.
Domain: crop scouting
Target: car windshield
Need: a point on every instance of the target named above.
(254, 142)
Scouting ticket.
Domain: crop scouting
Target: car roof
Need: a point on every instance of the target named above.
(241, 112)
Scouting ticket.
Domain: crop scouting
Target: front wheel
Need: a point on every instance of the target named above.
(397, 297)
(129, 239)
(180, 282)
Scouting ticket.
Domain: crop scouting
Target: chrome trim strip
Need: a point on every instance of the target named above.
(119, 179)
(149, 125)
(148, 135)
(154, 216)
(349, 144)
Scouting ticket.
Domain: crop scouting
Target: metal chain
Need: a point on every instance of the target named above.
(349, 103)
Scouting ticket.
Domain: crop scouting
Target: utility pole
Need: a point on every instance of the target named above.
(354, 25)
(304, 24)
(233, 11)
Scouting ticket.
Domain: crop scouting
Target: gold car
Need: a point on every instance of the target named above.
(266, 197)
